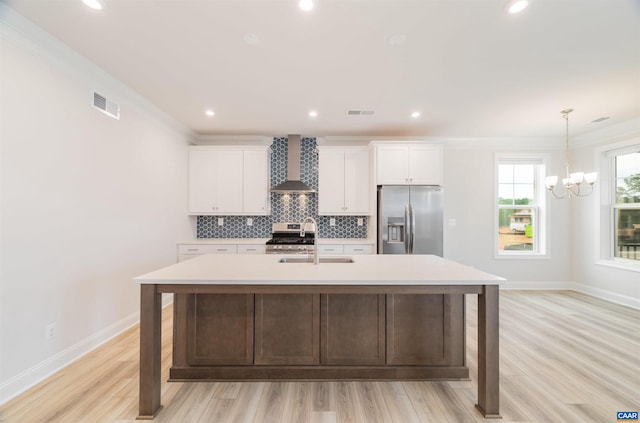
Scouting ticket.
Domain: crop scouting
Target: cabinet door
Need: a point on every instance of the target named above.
(356, 182)
(256, 199)
(220, 329)
(287, 329)
(425, 329)
(228, 182)
(331, 182)
(392, 162)
(215, 182)
(352, 329)
(201, 182)
(425, 165)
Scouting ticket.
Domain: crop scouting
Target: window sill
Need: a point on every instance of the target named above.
(620, 264)
(521, 256)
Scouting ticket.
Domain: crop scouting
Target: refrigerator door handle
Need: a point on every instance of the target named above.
(412, 216)
(407, 228)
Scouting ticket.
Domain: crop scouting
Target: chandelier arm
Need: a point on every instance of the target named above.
(559, 197)
(580, 194)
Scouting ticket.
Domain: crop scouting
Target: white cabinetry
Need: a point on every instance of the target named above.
(409, 164)
(228, 180)
(349, 249)
(343, 181)
(189, 251)
(251, 249)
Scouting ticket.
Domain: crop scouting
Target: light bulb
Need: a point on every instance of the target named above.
(306, 5)
(551, 181)
(591, 177)
(517, 6)
(94, 4)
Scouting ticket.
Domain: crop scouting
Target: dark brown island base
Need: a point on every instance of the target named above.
(381, 317)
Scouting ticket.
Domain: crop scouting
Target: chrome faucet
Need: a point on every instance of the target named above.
(316, 259)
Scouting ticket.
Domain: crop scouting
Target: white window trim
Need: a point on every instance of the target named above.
(541, 228)
(606, 157)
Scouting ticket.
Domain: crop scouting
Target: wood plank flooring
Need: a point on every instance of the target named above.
(565, 357)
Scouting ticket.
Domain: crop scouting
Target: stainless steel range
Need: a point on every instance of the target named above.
(286, 239)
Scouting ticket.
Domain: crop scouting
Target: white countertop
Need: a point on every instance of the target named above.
(258, 269)
(238, 241)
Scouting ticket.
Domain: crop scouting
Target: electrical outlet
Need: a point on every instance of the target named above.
(220, 221)
(50, 331)
(332, 221)
(360, 221)
(249, 221)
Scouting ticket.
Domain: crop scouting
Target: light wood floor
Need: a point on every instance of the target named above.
(565, 357)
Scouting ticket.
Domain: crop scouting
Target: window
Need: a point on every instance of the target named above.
(520, 206)
(626, 203)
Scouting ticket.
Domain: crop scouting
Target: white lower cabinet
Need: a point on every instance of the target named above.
(358, 249)
(251, 249)
(328, 249)
(189, 251)
(349, 249)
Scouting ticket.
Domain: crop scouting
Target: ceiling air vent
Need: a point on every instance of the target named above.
(106, 106)
(360, 112)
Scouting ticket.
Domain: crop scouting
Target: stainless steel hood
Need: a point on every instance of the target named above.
(293, 184)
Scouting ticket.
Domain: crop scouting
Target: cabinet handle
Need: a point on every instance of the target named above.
(251, 249)
(222, 249)
(192, 249)
(358, 249)
(329, 249)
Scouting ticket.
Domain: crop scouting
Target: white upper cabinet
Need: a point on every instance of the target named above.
(343, 181)
(409, 164)
(256, 199)
(228, 181)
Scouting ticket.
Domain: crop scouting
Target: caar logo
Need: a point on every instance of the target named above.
(627, 416)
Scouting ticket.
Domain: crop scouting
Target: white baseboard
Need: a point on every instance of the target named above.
(572, 286)
(624, 300)
(36, 374)
(538, 285)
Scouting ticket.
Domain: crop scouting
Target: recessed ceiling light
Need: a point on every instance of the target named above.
(415, 115)
(94, 4)
(306, 5)
(209, 113)
(516, 6)
(313, 113)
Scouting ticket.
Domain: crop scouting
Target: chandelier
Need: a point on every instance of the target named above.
(575, 184)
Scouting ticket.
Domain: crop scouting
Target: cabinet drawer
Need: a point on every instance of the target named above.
(330, 249)
(207, 249)
(358, 249)
(251, 249)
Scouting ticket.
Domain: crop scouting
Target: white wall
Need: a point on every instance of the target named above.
(469, 180)
(87, 203)
(593, 273)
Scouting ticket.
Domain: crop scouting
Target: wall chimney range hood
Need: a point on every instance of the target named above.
(293, 184)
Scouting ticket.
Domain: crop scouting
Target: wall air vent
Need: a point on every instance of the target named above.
(106, 106)
(360, 112)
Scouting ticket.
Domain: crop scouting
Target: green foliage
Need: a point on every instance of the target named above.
(631, 192)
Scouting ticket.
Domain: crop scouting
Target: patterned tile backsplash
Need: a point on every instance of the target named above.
(285, 207)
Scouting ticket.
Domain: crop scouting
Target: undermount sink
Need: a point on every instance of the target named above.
(321, 259)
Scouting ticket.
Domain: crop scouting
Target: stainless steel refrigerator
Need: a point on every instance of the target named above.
(410, 219)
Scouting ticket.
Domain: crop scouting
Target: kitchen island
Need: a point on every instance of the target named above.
(382, 317)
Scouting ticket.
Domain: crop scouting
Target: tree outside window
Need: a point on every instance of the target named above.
(626, 208)
(518, 206)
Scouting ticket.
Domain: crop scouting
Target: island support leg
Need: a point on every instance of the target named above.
(488, 353)
(150, 346)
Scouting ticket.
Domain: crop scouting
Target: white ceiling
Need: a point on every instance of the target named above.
(470, 68)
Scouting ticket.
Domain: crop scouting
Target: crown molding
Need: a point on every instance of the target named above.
(611, 133)
(26, 34)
